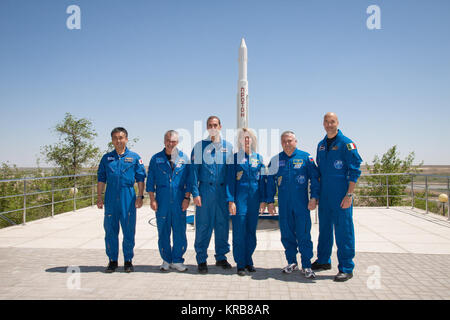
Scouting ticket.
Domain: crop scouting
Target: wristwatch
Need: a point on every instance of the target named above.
(141, 197)
(349, 195)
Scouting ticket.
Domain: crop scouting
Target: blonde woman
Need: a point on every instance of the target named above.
(246, 198)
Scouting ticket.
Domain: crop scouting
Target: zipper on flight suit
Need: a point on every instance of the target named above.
(170, 182)
(119, 169)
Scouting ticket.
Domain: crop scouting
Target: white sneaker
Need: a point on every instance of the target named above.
(165, 266)
(308, 273)
(289, 268)
(178, 266)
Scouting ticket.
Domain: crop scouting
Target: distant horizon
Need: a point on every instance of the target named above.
(146, 164)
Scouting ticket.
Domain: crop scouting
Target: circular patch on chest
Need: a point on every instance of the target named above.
(301, 179)
(338, 164)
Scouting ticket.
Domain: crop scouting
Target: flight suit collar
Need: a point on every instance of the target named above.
(219, 141)
(241, 155)
(218, 145)
(120, 156)
(292, 155)
(338, 138)
(176, 156)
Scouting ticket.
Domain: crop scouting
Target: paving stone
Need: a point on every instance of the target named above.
(34, 261)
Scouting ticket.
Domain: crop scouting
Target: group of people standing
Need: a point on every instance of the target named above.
(223, 184)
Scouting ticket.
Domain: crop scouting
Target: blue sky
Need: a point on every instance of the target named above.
(157, 65)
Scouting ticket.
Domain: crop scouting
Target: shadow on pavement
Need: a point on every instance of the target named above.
(296, 276)
(260, 274)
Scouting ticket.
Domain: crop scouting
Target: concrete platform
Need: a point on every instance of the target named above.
(401, 254)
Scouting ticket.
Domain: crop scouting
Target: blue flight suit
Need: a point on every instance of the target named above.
(291, 176)
(170, 187)
(246, 188)
(208, 179)
(337, 165)
(119, 172)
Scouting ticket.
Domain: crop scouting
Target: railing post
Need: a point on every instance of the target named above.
(92, 191)
(53, 198)
(24, 201)
(412, 192)
(74, 193)
(387, 192)
(426, 194)
(448, 199)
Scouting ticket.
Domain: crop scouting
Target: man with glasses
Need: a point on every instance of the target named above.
(168, 174)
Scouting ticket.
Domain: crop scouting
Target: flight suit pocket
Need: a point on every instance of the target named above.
(160, 213)
(254, 173)
(127, 166)
(345, 221)
(128, 174)
(161, 176)
(281, 181)
(179, 168)
(305, 221)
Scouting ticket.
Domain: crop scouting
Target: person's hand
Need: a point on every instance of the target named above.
(232, 208)
(346, 202)
(185, 204)
(100, 203)
(271, 208)
(262, 207)
(154, 205)
(139, 202)
(198, 201)
(312, 204)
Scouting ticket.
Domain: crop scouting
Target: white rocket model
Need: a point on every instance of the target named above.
(242, 96)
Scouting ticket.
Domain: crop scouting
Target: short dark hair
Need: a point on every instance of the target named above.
(213, 117)
(119, 129)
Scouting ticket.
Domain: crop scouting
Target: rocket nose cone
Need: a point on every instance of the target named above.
(243, 45)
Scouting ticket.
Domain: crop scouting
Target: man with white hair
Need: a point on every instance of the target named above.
(290, 172)
(339, 162)
(168, 178)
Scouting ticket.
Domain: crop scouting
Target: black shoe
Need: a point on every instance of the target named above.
(112, 266)
(128, 267)
(316, 266)
(202, 268)
(250, 268)
(224, 264)
(241, 272)
(341, 276)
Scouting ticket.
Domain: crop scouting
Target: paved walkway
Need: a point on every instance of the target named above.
(401, 254)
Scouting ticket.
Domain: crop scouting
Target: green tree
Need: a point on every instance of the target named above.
(9, 189)
(39, 195)
(373, 186)
(75, 148)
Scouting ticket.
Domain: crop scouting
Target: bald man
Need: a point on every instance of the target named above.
(339, 162)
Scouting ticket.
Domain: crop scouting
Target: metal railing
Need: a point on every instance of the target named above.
(73, 189)
(440, 185)
(443, 185)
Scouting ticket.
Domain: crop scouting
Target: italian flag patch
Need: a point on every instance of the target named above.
(351, 146)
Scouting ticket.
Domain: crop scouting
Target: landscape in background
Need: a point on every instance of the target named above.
(58, 195)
